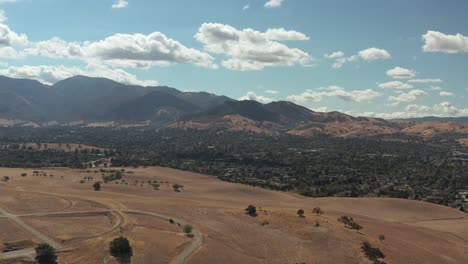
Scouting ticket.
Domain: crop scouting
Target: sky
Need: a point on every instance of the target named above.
(390, 59)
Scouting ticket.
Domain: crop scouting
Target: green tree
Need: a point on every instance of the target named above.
(188, 230)
(251, 210)
(121, 250)
(300, 213)
(45, 254)
(97, 186)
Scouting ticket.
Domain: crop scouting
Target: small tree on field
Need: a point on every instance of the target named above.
(317, 211)
(97, 186)
(251, 210)
(188, 230)
(6, 178)
(381, 238)
(372, 253)
(350, 223)
(45, 254)
(121, 250)
(300, 213)
(177, 187)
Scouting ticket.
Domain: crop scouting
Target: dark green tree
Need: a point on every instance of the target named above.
(121, 250)
(45, 254)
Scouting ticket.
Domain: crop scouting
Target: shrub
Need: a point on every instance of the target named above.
(372, 253)
(350, 223)
(300, 213)
(188, 230)
(45, 254)
(97, 186)
(317, 211)
(251, 210)
(121, 250)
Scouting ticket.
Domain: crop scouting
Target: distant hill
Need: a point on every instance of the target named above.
(95, 99)
(463, 119)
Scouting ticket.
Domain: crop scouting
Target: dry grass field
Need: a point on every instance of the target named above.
(83, 221)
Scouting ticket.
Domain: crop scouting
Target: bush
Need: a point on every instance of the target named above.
(188, 230)
(373, 254)
(251, 210)
(317, 211)
(349, 223)
(45, 254)
(121, 250)
(97, 186)
(300, 213)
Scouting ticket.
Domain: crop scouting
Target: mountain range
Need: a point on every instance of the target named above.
(84, 100)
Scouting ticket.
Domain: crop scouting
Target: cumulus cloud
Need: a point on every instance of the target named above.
(369, 54)
(410, 96)
(120, 4)
(395, 85)
(124, 50)
(11, 38)
(271, 92)
(435, 41)
(335, 55)
(9, 53)
(249, 49)
(446, 94)
(335, 91)
(444, 109)
(254, 97)
(273, 3)
(401, 73)
(435, 88)
(247, 6)
(425, 81)
(52, 74)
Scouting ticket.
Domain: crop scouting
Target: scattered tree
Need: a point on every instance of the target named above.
(300, 213)
(6, 178)
(45, 254)
(381, 238)
(121, 250)
(97, 186)
(317, 211)
(251, 210)
(350, 223)
(372, 253)
(188, 230)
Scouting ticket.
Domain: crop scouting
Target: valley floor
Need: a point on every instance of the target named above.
(59, 209)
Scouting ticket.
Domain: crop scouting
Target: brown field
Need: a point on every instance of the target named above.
(83, 221)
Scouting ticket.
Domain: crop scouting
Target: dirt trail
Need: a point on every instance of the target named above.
(179, 259)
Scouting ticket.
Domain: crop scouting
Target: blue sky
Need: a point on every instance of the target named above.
(365, 57)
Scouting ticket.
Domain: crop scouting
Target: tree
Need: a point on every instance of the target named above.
(372, 253)
(251, 210)
(97, 186)
(317, 211)
(188, 230)
(300, 213)
(381, 238)
(45, 254)
(350, 223)
(121, 250)
(6, 178)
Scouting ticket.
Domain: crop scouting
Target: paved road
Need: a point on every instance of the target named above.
(179, 259)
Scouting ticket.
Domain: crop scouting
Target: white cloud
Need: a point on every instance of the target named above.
(120, 4)
(11, 38)
(335, 91)
(435, 41)
(125, 50)
(444, 109)
(247, 6)
(435, 88)
(410, 96)
(395, 85)
(401, 73)
(335, 55)
(249, 49)
(447, 94)
(273, 3)
(9, 53)
(425, 81)
(254, 97)
(371, 54)
(271, 92)
(52, 74)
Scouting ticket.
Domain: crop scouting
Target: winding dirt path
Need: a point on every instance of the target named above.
(196, 243)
